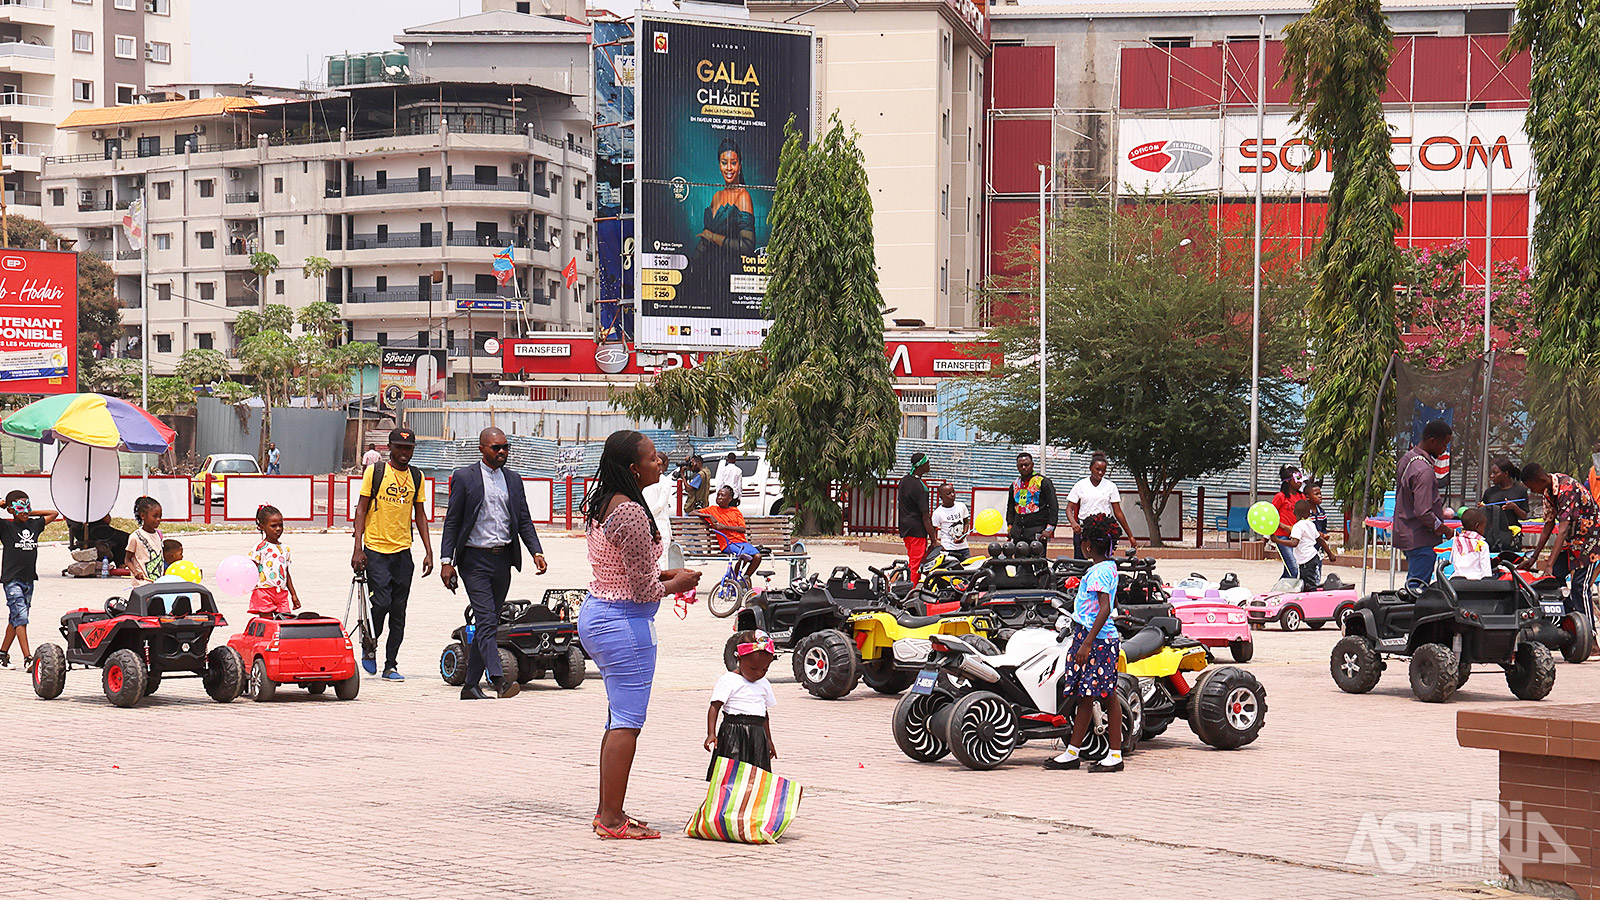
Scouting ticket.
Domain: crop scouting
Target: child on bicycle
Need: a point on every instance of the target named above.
(727, 523)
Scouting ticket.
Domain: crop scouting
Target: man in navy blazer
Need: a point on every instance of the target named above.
(487, 515)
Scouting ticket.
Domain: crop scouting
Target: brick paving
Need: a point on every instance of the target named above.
(410, 793)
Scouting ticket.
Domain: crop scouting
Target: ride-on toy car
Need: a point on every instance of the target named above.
(307, 650)
(1444, 629)
(534, 638)
(1291, 609)
(1213, 621)
(159, 631)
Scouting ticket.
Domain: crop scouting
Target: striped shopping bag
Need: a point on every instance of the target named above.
(744, 804)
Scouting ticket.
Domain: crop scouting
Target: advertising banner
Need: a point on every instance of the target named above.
(615, 74)
(408, 373)
(1436, 152)
(578, 355)
(38, 322)
(713, 102)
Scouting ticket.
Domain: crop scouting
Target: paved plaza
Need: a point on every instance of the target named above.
(410, 793)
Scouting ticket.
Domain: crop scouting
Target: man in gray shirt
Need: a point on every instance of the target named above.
(488, 515)
(1418, 507)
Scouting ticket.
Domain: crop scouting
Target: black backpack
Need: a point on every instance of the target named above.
(379, 469)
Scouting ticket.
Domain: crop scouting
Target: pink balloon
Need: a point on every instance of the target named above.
(236, 575)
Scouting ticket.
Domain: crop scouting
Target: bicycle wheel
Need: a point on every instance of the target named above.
(726, 598)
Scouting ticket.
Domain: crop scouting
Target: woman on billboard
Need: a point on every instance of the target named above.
(730, 228)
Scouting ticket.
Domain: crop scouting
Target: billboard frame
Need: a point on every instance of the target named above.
(641, 135)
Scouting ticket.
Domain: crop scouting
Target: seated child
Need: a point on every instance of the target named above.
(744, 698)
(728, 524)
(1469, 550)
(1309, 544)
(171, 552)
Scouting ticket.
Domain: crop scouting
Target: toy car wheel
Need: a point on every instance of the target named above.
(730, 650)
(1290, 618)
(913, 733)
(1581, 631)
(122, 678)
(316, 688)
(510, 668)
(1532, 672)
(1339, 612)
(49, 671)
(1355, 665)
(983, 730)
(1243, 651)
(224, 675)
(569, 670)
(1433, 673)
(1228, 709)
(348, 688)
(882, 676)
(453, 664)
(262, 688)
(152, 681)
(825, 664)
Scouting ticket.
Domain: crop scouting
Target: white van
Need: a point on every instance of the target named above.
(763, 493)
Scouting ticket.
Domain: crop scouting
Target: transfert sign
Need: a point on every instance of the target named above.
(38, 322)
(713, 100)
(406, 373)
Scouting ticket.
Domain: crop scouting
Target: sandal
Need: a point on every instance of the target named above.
(630, 831)
(639, 822)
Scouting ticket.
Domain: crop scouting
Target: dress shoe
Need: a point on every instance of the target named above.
(506, 688)
(473, 692)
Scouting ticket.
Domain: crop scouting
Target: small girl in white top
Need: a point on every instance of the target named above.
(743, 697)
(1469, 552)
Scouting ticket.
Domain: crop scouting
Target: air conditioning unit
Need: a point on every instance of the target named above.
(97, 135)
(516, 168)
(124, 133)
(200, 128)
(234, 174)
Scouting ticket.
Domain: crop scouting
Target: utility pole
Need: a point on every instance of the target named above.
(144, 327)
(5, 221)
(1044, 176)
(1255, 316)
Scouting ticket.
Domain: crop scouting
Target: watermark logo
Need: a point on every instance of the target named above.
(1480, 841)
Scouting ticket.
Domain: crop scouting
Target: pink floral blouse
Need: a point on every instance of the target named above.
(623, 556)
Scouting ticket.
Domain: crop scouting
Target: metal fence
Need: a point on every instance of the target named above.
(311, 440)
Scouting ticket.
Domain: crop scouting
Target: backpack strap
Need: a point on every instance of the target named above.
(416, 484)
(378, 470)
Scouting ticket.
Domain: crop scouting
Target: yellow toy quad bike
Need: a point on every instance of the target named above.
(1225, 706)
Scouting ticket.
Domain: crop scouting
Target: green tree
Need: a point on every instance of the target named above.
(1563, 37)
(819, 389)
(317, 267)
(200, 367)
(263, 264)
(169, 395)
(321, 319)
(1147, 345)
(269, 356)
(1336, 59)
(99, 310)
(117, 377)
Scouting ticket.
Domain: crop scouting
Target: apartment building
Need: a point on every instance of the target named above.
(409, 191)
(57, 56)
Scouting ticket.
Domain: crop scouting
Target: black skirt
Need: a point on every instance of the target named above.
(742, 738)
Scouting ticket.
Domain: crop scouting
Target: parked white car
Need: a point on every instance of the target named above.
(763, 492)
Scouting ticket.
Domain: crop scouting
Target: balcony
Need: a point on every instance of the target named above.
(244, 197)
(29, 4)
(364, 188)
(243, 300)
(394, 239)
(101, 205)
(503, 183)
(498, 241)
(16, 197)
(393, 295)
(17, 98)
(26, 51)
(129, 254)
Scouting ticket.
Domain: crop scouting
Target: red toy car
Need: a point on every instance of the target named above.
(309, 650)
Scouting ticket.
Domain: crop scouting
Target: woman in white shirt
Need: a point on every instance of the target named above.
(1096, 494)
(660, 497)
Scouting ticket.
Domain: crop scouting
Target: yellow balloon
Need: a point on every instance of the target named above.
(989, 522)
(186, 570)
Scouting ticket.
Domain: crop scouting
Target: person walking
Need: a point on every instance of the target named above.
(1031, 515)
(274, 458)
(391, 500)
(729, 475)
(1291, 490)
(488, 514)
(1096, 494)
(916, 519)
(659, 497)
(1418, 507)
(1572, 515)
(372, 457)
(617, 621)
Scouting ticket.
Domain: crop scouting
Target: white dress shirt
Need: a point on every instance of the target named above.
(493, 527)
(729, 475)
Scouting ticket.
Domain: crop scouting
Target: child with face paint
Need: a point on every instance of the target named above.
(19, 568)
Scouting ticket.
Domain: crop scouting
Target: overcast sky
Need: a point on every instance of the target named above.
(233, 40)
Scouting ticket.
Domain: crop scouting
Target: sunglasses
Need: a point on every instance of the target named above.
(499, 446)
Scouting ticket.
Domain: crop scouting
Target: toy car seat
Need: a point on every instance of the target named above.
(179, 606)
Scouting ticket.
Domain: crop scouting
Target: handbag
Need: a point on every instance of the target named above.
(744, 804)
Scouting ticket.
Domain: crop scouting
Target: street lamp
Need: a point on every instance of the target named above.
(851, 5)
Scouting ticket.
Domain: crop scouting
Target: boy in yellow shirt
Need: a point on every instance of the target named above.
(392, 497)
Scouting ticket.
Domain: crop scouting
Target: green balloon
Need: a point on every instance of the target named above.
(1263, 518)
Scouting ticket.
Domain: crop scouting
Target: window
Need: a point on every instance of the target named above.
(58, 196)
(207, 290)
(553, 287)
(194, 94)
(125, 4)
(944, 277)
(207, 187)
(163, 242)
(208, 240)
(203, 340)
(277, 185)
(125, 94)
(944, 202)
(485, 174)
(1170, 43)
(969, 143)
(483, 284)
(577, 190)
(944, 127)
(158, 52)
(381, 283)
(277, 237)
(127, 47)
(163, 190)
(524, 7)
(83, 91)
(163, 343)
(82, 42)
(164, 291)
(944, 48)
(150, 145)
(277, 287)
(158, 7)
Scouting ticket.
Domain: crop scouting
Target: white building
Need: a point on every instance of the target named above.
(57, 56)
(408, 191)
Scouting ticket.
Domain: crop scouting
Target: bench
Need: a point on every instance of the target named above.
(776, 533)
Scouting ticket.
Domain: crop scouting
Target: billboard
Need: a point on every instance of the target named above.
(1436, 152)
(579, 355)
(407, 373)
(615, 74)
(713, 100)
(38, 322)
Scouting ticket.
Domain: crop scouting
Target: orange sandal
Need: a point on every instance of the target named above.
(630, 831)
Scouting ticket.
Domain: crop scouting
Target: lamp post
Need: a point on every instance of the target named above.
(1044, 180)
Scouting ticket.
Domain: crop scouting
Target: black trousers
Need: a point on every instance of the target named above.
(486, 574)
(389, 589)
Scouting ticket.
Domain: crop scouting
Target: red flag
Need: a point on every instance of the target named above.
(571, 272)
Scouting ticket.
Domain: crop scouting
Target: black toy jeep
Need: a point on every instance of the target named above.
(534, 639)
